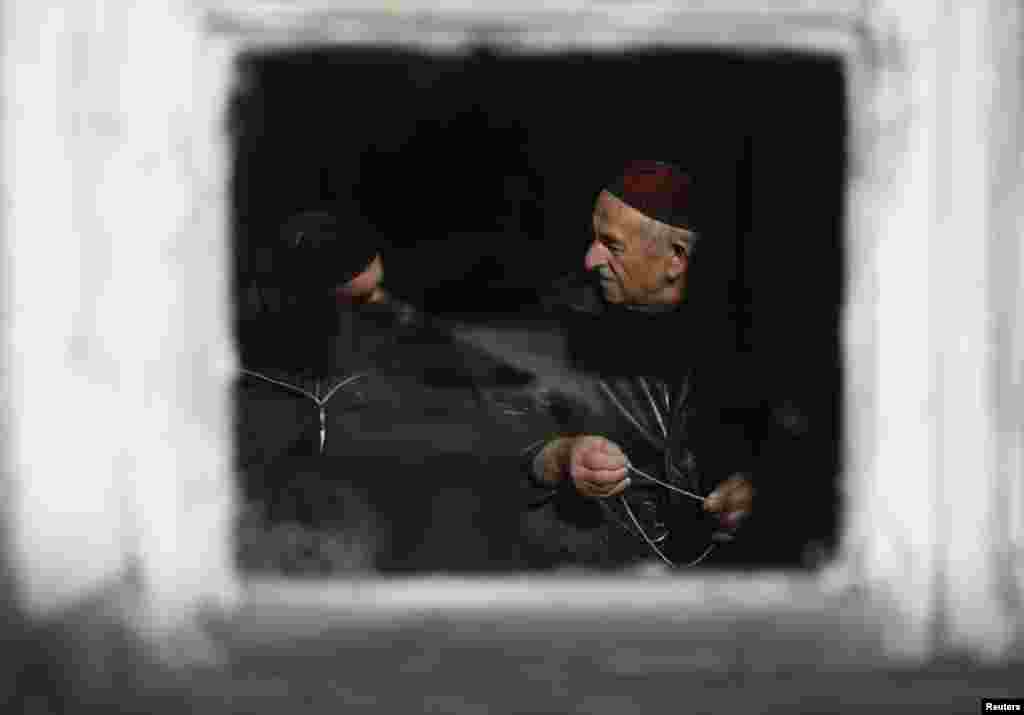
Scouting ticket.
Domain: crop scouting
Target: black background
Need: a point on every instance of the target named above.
(480, 171)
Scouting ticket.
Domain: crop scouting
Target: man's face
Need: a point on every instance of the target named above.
(632, 270)
(364, 288)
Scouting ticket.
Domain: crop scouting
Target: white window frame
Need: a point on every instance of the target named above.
(933, 375)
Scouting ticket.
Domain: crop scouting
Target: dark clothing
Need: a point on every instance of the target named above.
(392, 379)
(393, 511)
(388, 438)
(665, 401)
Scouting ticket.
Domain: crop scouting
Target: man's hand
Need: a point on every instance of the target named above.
(597, 467)
(732, 501)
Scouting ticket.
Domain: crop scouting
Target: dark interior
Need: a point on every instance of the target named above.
(481, 170)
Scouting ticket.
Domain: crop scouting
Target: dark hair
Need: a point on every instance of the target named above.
(286, 313)
(317, 249)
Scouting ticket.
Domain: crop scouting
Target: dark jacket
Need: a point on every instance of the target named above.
(394, 415)
(668, 396)
(389, 376)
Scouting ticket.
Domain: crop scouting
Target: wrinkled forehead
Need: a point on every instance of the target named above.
(615, 217)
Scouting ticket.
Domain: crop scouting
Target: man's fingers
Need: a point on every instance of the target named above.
(620, 487)
(599, 483)
(603, 490)
(601, 445)
(601, 476)
(603, 460)
(609, 447)
(731, 520)
(740, 499)
(592, 460)
(736, 494)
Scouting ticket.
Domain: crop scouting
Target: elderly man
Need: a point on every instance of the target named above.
(645, 468)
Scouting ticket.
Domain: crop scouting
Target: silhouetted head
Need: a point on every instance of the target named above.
(324, 254)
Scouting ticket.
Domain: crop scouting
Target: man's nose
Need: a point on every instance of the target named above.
(597, 255)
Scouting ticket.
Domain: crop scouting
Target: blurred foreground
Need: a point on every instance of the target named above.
(276, 658)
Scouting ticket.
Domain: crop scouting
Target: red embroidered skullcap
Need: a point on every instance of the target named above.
(656, 189)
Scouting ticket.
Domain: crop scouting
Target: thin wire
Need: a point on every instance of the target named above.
(665, 445)
(657, 412)
(658, 443)
(636, 523)
(667, 398)
(659, 482)
(295, 388)
(654, 547)
(281, 383)
(707, 552)
(346, 381)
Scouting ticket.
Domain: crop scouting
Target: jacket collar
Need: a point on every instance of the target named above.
(614, 340)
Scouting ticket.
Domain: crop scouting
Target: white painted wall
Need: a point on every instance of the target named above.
(115, 317)
(973, 307)
(932, 320)
(114, 177)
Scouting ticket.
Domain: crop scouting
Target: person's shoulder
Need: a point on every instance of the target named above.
(425, 346)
